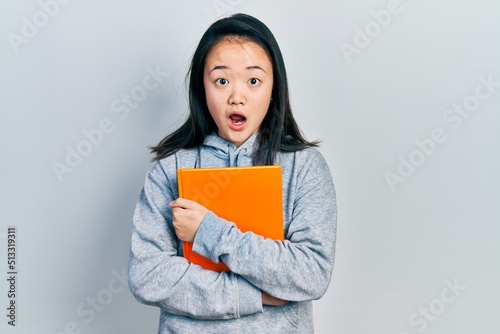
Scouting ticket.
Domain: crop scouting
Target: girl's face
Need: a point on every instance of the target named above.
(238, 80)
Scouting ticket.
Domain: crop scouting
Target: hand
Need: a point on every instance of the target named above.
(187, 216)
(267, 299)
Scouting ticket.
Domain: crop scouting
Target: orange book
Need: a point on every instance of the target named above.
(250, 197)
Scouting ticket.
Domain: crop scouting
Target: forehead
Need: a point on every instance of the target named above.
(236, 52)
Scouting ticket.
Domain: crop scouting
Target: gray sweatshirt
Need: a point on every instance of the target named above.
(194, 300)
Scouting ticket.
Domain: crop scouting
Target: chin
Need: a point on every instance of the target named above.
(238, 139)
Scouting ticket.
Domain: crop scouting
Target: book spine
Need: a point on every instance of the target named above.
(180, 188)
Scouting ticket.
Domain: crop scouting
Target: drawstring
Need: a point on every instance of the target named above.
(235, 155)
(244, 150)
(231, 155)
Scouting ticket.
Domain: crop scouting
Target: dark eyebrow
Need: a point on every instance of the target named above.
(220, 67)
(255, 67)
(224, 67)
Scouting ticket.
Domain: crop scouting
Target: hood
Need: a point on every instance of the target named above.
(215, 147)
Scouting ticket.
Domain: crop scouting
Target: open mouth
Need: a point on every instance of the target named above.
(237, 119)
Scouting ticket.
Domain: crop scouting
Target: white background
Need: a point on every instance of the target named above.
(399, 249)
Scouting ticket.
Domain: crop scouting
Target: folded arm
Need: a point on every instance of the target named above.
(296, 269)
(158, 276)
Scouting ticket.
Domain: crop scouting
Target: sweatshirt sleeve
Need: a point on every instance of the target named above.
(159, 277)
(298, 268)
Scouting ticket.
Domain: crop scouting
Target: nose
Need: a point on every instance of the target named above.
(237, 96)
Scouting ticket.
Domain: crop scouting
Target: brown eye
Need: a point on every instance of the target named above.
(253, 81)
(221, 81)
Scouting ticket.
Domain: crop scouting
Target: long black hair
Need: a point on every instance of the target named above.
(278, 130)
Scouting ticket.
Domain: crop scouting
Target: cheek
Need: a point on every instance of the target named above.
(214, 105)
(266, 93)
(264, 102)
(210, 98)
(209, 91)
(213, 94)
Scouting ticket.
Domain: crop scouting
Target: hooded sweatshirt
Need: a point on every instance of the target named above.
(195, 300)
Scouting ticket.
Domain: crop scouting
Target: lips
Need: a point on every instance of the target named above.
(237, 121)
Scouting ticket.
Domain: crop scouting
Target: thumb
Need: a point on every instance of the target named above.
(181, 203)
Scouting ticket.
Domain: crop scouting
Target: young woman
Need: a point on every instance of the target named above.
(240, 115)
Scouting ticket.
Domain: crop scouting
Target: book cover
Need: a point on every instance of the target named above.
(250, 197)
